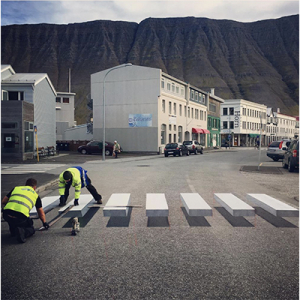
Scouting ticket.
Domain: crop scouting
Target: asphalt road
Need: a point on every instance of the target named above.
(179, 257)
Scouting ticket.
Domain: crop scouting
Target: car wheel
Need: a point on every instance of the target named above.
(284, 165)
(107, 152)
(196, 152)
(291, 167)
(83, 151)
(275, 159)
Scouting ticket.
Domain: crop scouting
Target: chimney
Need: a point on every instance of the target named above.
(212, 91)
(278, 110)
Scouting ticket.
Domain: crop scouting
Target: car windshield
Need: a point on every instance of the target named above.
(171, 146)
(187, 143)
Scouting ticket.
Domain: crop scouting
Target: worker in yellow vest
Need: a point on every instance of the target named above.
(17, 205)
(76, 177)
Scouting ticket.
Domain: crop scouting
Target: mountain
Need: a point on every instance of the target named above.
(256, 61)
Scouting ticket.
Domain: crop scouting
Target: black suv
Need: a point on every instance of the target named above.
(176, 149)
(291, 156)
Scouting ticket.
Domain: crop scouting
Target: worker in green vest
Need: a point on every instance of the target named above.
(78, 178)
(16, 207)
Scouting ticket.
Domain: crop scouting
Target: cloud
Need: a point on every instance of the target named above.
(64, 12)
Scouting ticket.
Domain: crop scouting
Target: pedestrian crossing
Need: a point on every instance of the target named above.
(30, 168)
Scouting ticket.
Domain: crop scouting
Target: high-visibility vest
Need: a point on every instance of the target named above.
(78, 181)
(22, 199)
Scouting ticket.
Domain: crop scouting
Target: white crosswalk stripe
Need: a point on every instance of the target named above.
(32, 168)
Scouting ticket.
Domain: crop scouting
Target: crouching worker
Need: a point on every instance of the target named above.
(76, 177)
(17, 205)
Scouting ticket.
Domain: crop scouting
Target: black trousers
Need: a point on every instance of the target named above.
(13, 223)
(89, 187)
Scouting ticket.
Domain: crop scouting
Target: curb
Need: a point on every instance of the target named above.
(43, 187)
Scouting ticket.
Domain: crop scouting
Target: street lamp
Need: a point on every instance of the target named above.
(103, 140)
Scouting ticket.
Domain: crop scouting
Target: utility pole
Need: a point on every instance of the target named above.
(259, 155)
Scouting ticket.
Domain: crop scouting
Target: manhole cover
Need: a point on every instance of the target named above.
(262, 169)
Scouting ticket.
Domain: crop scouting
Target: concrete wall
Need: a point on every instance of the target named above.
(128, 90)
(78, 133)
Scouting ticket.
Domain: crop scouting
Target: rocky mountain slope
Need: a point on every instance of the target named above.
(256, 61)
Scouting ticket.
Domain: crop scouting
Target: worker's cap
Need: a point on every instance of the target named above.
(115, 141)
(67, 175)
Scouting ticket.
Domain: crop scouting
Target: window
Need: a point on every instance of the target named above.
(192, 113)
(209, 122)
(205, 116)
(163, 134)
(212, 107)
(9, 125)
(175, 129)
(163, 106)
(173, 87)
(28, 126)
(162, 83)
(185, 111)
(225, 111)
(201, 114)
(66, 100)
(170, 107)
(177, 89)
(180, 109)
(196, 114)
(182, 91)
(15, 95)
(168, 86)
(4, 95)
(174, 108)
(179, 134)
(170, 127)
(231, 124)
(58, 100)
(192, 94)
(225, 125)
(196, 96)
(231, 111)
(189, 112)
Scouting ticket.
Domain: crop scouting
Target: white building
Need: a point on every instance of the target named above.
(280, 126)
(146, 108)
(241, 121)
(27, 107)
(64, 113)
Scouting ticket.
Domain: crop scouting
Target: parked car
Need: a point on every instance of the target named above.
(193, 146)
(176, 149)
(96, 147)
(277, 149)
(291, 156)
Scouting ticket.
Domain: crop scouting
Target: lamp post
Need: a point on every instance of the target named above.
(103, 140)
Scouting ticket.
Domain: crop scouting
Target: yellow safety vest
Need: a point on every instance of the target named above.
(22, 199)
(76, 182)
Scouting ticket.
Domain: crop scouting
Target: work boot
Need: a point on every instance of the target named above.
(21, 235)
(99, 200)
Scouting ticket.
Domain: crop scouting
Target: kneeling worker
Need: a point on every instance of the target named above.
(77, 177)
(18, 203)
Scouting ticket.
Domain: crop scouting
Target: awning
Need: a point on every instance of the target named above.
(197, 130)
(200, 130)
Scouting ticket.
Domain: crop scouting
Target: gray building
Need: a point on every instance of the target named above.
(146, 108)
(21, 121)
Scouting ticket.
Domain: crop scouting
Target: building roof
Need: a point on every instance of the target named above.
(6, 67)
(28, 78)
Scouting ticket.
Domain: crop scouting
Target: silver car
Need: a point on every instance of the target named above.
(193, 146)
(277, 149)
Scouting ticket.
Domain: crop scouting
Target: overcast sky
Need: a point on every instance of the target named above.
(64, 12)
